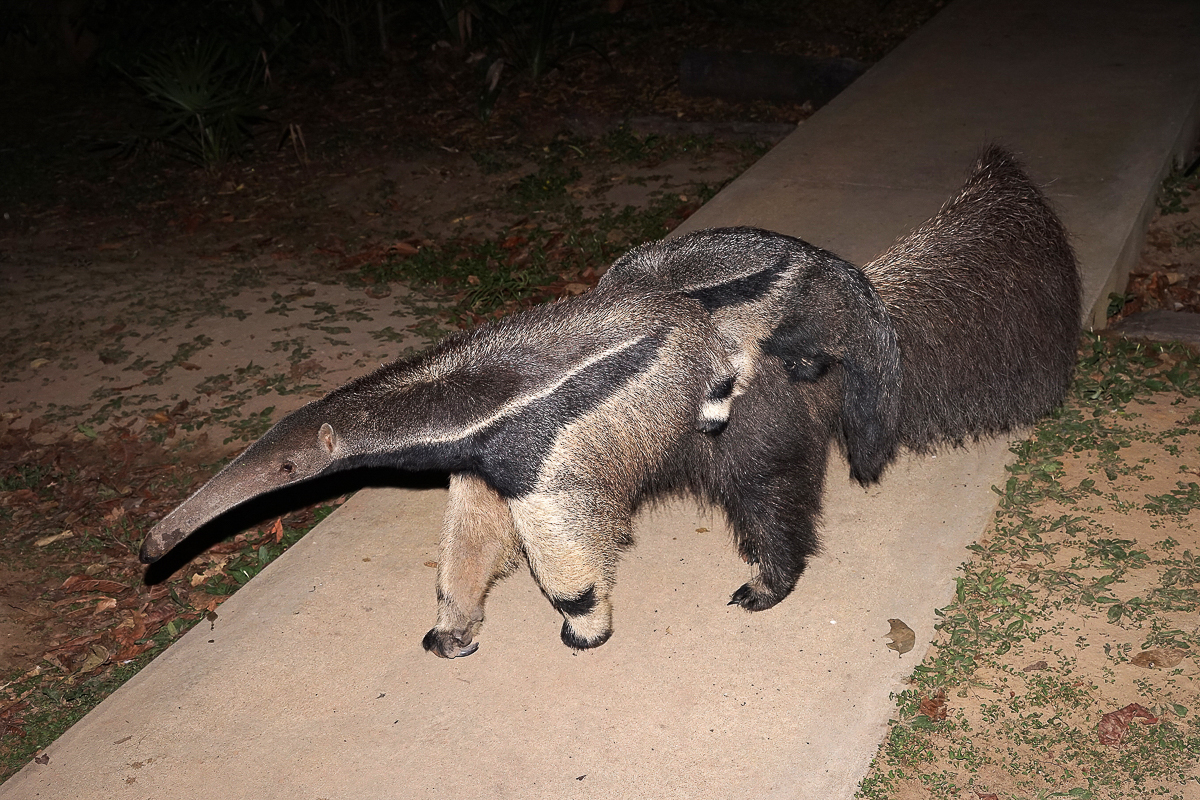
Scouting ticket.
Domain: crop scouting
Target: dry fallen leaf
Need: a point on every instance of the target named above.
(82, 583)
(210, 602)
(216, 568)
(77, 642)
(1115, 724)
(402, 249)
(105, 604)
(45, 540)
(127, 654)
(78, 600)
(96, 657)
(934, 707)
(130, 629)
(902, 637)
(1157, 658)
(11, 720)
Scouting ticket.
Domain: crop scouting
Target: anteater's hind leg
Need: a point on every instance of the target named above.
(478, 546)
(770, 476)
(572, 541)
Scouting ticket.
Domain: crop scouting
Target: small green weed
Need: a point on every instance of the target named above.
(624, 146)
(250, 427)
(546, 186)
(24, 476)
(483, 276)
(1176, 188)
(491, 162)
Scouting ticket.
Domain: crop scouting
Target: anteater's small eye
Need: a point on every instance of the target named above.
(287, 467)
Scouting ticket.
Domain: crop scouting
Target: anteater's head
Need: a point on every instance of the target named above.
(301, 446)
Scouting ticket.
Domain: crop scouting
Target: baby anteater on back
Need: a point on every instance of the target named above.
(721, 364)
(966, 327)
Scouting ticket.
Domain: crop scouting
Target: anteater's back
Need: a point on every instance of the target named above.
(985, 300)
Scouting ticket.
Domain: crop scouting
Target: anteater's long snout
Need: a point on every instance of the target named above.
(296, 449)
(227, 489)
(157, 544)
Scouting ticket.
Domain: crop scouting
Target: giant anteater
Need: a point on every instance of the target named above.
(720, 364)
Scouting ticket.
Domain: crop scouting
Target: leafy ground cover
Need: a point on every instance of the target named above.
(1168, 274)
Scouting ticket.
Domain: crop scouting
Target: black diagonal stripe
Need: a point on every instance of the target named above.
(740, 290)
(509, 453)
(512, 451)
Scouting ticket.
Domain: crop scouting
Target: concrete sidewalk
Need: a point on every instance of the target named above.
(312, 683)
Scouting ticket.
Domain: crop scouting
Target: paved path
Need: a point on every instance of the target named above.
(312, 684)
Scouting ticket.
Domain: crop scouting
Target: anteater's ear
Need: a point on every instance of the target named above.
(327, 437)
(839, 319)
(871, 398)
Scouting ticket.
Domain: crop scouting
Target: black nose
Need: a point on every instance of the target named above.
(153, 550)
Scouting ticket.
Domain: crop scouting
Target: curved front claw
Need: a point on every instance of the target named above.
(446, 644)
(753, 596)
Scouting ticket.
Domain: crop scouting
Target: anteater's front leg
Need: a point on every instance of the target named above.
(770, 473)
(572, 541)
(479, 545)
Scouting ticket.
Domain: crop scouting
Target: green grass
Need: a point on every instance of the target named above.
(624, 146)
(24, 476)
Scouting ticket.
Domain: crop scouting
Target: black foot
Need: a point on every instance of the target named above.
(753, 598)
(446, 645)
(577, 642)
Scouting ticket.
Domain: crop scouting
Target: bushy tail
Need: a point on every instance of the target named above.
(985, 300)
